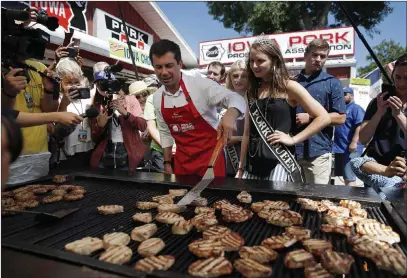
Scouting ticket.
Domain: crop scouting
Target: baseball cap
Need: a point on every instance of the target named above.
(348, 90)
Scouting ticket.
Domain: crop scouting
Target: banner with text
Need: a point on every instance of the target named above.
(107, 26)
(361, 91)
(71, 14)
(120, 51)
(292, 45)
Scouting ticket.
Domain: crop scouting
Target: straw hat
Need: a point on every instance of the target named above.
(137, 87)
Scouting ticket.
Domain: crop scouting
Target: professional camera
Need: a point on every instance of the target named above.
(109, 84)
(26, 42)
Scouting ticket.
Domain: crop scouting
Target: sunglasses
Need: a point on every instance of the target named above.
(144, 95)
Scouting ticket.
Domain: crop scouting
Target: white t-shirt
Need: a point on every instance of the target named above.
(116, 131)
(72, 143)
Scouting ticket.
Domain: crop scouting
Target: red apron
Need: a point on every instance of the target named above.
(194, 137)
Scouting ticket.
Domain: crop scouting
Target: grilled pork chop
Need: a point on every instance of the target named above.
(338, 263)
(299, 259)
(317, 271)
(279, 242)
(116, 254)
(298, 232)
(252, 269)
(115, 239)
(260, 254)
(155, 263)
(206, 248)
(283, 218)
(85, 246)
(150, 247)
(316, 246)
(144, 232)
(211, 267)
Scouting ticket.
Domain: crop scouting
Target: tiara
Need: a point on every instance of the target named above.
(263, 39)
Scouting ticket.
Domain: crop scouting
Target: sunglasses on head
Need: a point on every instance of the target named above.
(144, 95)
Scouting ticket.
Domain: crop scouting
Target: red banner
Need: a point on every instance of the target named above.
(60, 9)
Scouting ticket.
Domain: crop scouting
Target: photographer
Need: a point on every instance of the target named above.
(116, 131)
(35, 98)
(385, 129)
(74, 89)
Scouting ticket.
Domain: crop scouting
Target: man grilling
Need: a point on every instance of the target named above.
(186, 113)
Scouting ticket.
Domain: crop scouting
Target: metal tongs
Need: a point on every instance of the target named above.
(207, 178)
(45, 217)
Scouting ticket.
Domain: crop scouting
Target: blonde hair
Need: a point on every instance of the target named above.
(278, 73)
(238, 65)
(68, 67)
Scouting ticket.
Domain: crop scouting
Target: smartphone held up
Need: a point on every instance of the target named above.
(73, 48)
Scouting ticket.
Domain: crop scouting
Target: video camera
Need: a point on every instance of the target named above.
(109, 84)
(16, 39)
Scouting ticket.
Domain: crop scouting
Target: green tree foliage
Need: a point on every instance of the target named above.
(274, 17)
(386, 52)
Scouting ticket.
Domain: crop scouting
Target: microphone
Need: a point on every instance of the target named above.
(114, 68)
(62, 131)
(90, 113)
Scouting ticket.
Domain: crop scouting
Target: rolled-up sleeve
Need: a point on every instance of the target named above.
(218, 95)
(165, 134)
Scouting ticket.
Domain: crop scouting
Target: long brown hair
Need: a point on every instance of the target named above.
(278, 74)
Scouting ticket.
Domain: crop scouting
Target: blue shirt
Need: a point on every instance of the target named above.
(327, 90)
(344, 133)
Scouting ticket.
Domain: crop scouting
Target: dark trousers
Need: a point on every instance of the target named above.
(157, 161)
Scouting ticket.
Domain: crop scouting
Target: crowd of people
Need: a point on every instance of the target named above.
(273, 126)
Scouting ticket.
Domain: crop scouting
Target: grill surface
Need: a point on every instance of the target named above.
(23, 233)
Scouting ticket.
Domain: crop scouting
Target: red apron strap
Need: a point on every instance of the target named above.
(191, 105)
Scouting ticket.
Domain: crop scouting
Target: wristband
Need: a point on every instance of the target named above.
(8, 95)
(167, 162)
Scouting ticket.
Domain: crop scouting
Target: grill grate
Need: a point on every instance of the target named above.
(88, 222)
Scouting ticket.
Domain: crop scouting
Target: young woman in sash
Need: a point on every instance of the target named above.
(272, 97)
(236, 81)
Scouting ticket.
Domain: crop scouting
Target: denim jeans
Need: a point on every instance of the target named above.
(348, 173)
(373, 180)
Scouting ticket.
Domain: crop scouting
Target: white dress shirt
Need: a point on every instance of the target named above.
(206, 95)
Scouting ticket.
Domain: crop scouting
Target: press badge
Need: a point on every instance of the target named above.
(29, 100)
(82, 135)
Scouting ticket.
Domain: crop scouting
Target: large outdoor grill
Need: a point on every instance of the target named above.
(22, 233)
